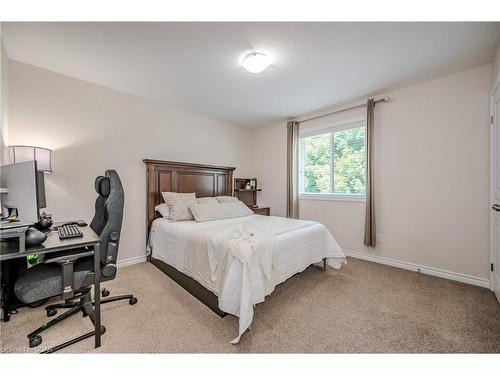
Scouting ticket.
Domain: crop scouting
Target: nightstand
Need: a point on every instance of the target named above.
(266, 211)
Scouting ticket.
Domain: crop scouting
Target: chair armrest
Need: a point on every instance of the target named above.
(70, 257)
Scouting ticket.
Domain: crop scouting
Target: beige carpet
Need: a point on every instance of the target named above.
(364, 307)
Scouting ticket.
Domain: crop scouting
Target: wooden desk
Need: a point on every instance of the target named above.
(10, 250)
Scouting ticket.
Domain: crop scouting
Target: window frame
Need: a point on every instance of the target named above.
(347, 124)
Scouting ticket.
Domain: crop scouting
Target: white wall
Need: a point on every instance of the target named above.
(432, 176)
(4, 63)
(92, 128)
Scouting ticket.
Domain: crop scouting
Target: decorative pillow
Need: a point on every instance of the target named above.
(178, 205)
(207, 212)
(171, 194)
(226, 198)
(207, 200)
(163, 210)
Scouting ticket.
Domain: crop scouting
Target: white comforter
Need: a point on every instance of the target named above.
(238, 259)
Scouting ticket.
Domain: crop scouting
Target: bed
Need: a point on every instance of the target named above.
(181, 249)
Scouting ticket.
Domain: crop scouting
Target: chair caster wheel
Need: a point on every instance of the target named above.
(51, 312)
(132, 301)
(103, 330)
(104, 292)
(35, 341)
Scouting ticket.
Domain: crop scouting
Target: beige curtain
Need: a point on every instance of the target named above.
(292, 192)
(370, 229)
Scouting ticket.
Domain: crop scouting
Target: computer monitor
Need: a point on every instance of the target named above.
(18, 189)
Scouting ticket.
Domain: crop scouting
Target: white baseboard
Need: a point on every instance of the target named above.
(130, 261)
(473, 280)
(478, 281)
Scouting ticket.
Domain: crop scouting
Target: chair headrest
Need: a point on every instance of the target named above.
(102, 186)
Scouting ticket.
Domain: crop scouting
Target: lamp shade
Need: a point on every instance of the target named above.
(43, 156)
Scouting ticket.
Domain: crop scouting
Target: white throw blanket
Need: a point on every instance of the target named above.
(254, 249)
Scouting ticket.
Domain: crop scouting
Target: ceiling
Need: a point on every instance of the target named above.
(196, 66)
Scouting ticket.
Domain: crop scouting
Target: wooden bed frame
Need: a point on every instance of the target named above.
(205, 181)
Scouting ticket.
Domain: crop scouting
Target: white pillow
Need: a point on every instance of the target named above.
(226, 198)
(178, 205)
(207, 212)
(207, 200)
(163, 210)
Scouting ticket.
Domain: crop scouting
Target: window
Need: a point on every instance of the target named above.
(332, 162)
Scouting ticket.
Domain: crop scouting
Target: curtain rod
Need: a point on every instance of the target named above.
(385, 99)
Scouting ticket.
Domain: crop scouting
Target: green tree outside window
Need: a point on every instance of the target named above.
(345, 174)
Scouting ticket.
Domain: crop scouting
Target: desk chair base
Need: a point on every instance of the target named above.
(52, 309)
(85, 305)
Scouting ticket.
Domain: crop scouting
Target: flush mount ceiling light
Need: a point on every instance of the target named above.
(255, 62)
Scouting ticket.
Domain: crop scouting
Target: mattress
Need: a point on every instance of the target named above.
(296, 250)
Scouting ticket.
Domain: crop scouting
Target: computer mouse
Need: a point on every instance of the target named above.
(34, 237)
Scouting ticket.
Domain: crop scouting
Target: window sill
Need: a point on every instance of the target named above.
(333, 197)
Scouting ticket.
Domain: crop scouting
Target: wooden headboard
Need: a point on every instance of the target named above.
(204, 180)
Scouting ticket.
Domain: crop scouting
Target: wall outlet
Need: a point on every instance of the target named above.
(378, 237)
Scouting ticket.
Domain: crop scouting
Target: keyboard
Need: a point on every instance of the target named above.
(69, 231)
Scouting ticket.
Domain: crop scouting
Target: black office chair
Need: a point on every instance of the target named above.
(71, 275)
